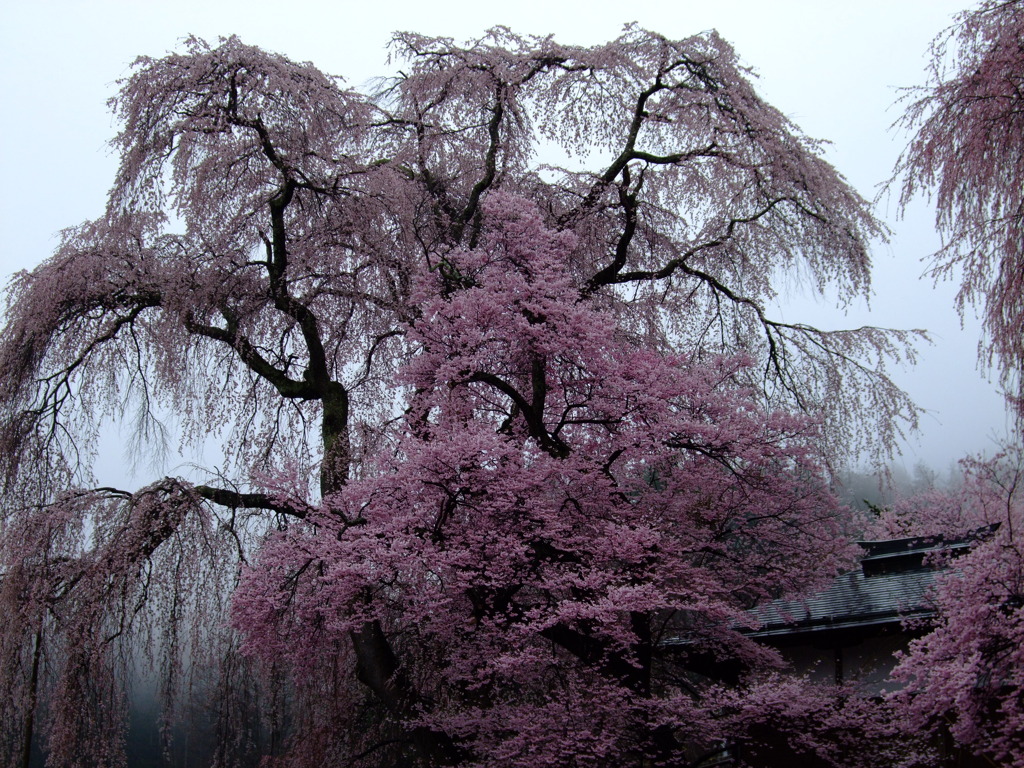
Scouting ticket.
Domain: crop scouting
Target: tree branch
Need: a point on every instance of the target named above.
(236, 499)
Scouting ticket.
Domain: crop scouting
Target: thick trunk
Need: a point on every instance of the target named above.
(334, 471)
(378, 668)
(377, 665)
(29, 725)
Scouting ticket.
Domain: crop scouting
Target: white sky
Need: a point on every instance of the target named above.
(833, 67)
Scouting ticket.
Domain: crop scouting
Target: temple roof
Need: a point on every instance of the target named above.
(891, 584)
(853, 599)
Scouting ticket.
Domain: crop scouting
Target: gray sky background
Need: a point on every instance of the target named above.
(834, 68)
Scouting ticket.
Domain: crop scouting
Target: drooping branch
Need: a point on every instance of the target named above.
(965, 154)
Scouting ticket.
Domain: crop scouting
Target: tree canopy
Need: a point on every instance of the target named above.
(508, 447)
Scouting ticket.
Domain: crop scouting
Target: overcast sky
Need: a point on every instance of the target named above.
(834, 68)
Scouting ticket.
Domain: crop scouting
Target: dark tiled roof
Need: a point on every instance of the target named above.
(852, 600)
(891, 584)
